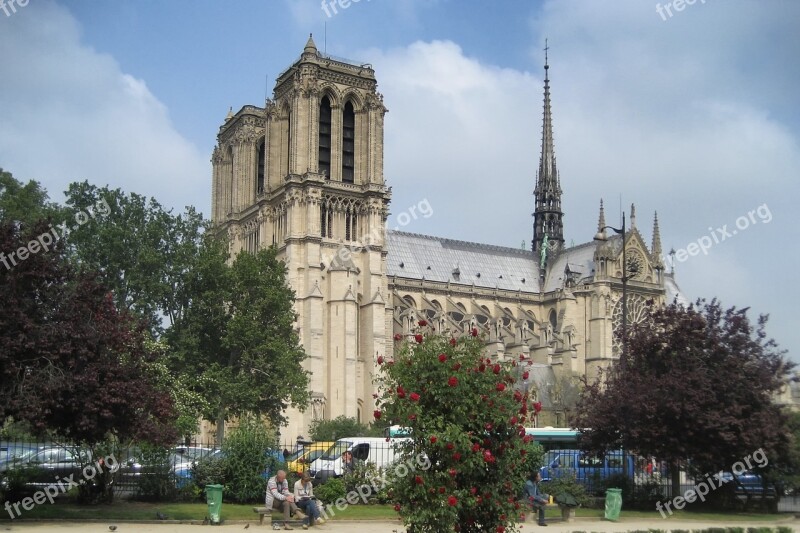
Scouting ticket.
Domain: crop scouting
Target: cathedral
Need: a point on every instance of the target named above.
(305, 173)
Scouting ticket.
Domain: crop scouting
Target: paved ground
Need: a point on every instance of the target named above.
(586, 524)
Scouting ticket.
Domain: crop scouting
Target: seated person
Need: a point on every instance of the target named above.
(536, 498)
(304, 498)
(279, 497)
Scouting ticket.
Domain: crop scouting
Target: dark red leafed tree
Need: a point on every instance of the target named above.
(698, 386)
(71, 363)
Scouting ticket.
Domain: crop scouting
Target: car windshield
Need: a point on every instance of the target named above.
(549, 457)
(336, 450)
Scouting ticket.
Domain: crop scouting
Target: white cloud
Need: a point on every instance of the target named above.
(69, 113)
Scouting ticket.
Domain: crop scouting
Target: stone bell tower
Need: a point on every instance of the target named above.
(305, 173)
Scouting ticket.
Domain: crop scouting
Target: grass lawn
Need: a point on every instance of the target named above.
(128, 510)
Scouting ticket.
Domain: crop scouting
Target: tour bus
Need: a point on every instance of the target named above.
(554, 438)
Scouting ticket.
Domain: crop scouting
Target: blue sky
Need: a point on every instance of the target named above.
(692, 115)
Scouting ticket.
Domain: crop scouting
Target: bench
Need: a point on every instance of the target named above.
(263, 513)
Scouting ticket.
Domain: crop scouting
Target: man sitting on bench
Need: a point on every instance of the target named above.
(279, 497)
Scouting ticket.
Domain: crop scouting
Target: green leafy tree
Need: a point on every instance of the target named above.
(338, 428)
(697, 390)
(24, 204)
(466, 416)
(238, 335)
(144, 251)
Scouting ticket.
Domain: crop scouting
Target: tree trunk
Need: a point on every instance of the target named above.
(675, 475)
(220, 426)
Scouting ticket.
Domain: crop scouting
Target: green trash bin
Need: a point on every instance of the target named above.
(214, 499)
(613, 504)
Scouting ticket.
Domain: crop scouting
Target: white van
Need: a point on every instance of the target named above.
(377, 451)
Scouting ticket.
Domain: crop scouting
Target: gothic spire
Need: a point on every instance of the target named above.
(656, 247)
(548, 215)
(633, 216)
(601, 220)
(310, 48)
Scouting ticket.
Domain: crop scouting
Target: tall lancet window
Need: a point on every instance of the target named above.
(348, 143)
(325, 137)
(260, 168)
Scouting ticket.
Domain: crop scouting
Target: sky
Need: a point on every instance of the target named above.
(685, 109)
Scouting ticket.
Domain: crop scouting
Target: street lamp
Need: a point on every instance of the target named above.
(602, 237)
(623, 356)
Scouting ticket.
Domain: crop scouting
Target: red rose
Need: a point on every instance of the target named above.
(517, 395)
(453, 381)
(441, 490)
(401, 394)
(452, 501)
(433, 439)
(473, 491)
(412, 417)
(476, 447)
(398, 337)
(513, 421)
(527, 438)
(423, 323)
(496, 369)
(500, 387)
(456, 366)
(482, 367)
(456, 457)
(442, 357)
(450, 446)
(418, 338)
(537, 407)
(380, 359)
(474, 332)
(501, 529)
(418, 480)
(488, 426)
(397, 507)
(414, 397)
(453, 472)
(525, 375)
(376, 414)
(452, 342)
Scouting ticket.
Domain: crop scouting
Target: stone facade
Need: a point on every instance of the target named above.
(305, 173)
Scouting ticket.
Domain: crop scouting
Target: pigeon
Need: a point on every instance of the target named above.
(205, 521)
(160, 515)
(112, 528)
(247, 526)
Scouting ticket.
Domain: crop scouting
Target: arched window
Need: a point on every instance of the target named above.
(348, 143)
(325, 136)
(553, 319)
(260, 167)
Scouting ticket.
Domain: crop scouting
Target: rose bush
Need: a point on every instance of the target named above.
(467, 416)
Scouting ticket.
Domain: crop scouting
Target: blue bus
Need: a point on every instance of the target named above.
(554, 438)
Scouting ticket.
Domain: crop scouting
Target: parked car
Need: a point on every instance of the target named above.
(299, 461)
(589, 470)
(366, 449)
(178, 460)
(749, 486)
(184, 473)
(47, 465)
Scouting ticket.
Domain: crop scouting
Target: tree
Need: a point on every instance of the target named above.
(24, 204)
(238, 334)
(143, 251)
(340, 427)
(698, 386)
(71, 363)
(467, 419)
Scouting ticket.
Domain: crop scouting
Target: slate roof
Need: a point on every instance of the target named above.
(439, 259)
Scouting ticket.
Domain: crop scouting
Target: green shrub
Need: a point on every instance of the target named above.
(566, 484)
(331, 490)
(209, 471)
(247, 459)
(156, 480)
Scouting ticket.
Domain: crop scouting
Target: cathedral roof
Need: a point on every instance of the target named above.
(580, 261)
(672, 291)
(466, 263)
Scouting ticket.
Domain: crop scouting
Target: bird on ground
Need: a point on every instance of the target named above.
(160, 515)
(112, 528)
(205, 521)
(247, 526)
